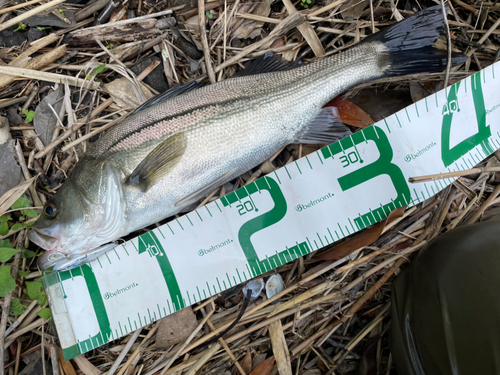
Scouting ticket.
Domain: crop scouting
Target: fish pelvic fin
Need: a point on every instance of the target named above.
(158, 163)
(409, 44)
(325, 128)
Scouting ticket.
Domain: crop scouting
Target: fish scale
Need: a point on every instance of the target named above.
(295, 210)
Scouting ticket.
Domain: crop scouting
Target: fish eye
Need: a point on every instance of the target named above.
(50, 209)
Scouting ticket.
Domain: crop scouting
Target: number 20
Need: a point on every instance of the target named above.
(245, 207)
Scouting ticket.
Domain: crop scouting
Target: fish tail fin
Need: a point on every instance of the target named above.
(409, 44)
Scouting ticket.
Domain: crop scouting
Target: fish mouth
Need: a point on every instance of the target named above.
(38, 237)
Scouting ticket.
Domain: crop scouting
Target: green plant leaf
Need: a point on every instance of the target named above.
(6, 243)
(7, 283)
(4, 226)
(6, 253)
(61, 11)
(97, 70)
(28, 254)
(29, 224)
(29, 212)
(30, 115)
(209, 14)
(16, 307)
(34, 289)
(21, 203)
(17, 226)
(45, 313)
(21, 26)
(24, 273)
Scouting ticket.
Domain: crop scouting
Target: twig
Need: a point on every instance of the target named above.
(448, 38)
(9, 9)
(440, 176)
(307, 31)
(92, 133)
(289, 23)
(124, 352)
(136, 351)
(51, 77)
(29, 13)
(326, 8)
(204, 41)
(485, 205)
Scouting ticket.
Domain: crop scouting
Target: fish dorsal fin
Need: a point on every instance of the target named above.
(170, 93)
(268, 63)
(203, 192)
(158, 163)
(325, 128)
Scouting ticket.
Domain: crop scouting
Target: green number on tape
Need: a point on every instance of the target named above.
(262, 222)
(149, 243)
(383, 165)
(450, 155)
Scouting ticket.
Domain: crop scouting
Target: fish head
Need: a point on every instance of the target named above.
(86, 212)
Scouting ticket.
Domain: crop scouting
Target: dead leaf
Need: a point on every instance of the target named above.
(246, 363)
(175, 328)
(249, 28)
(280, 348)
(350, 113)
(122, 92)
(264, 368)
(258, 359)
(365, 238)
(421, 90)
(85, 366)
(45, 119)
(353, 9)
(66, 365)
(10, 176)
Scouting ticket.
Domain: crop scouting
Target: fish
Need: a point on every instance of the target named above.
(178, 147)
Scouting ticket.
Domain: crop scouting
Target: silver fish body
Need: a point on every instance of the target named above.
(227, 128)
(230, 127)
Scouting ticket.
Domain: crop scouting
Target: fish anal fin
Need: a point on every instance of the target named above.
(203, 192)
(158, 163)
(325, 128)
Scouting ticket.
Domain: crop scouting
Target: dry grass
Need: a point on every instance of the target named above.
(332, 316)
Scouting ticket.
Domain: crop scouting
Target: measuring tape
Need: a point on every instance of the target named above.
(302, 207)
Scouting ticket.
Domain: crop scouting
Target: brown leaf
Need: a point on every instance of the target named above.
(365, 238)
(350, 113)
(85, 366)
(66, 365)
(420, 90)
(280, 348)
(264, 368)
(246, 363)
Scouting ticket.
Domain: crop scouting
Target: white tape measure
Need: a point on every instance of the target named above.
(291, 212)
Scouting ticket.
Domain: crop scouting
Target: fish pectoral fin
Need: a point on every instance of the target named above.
(199, 194)
(158, 163)
(325, 128)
